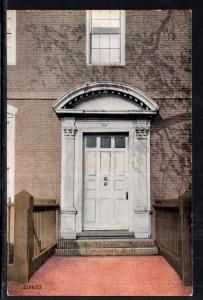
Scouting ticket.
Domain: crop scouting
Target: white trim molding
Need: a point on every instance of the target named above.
(11, 113)
(138, 175)
(11, 37)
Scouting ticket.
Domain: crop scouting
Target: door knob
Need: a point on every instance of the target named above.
(105, 178)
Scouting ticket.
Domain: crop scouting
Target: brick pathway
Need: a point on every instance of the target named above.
(126, 275)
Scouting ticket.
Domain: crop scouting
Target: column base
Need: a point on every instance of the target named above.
(68, 230)
(142, 224)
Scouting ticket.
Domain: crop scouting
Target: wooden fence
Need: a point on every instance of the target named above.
(34, 235)
(173, 234)
(10, 230)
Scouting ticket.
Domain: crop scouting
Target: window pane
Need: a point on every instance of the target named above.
(119, 142)
(96, 23)
(8, 40)
(95, 14)
(104, 40)
(114, 40)
(95, 56)
(95, 41)
(105, 14)
(91, 141)
(115, 23)
(105, 142)
(115, 14)
(105, 23)
(114, 55)
(9, 25)
(104, 55)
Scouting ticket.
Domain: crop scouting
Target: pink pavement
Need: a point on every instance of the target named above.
(101, 276)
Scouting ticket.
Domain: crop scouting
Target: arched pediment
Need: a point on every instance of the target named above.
(105, 98)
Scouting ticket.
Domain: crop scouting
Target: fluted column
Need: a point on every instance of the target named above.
(68, 209)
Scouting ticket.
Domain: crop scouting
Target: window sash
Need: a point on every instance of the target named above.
(113, 47)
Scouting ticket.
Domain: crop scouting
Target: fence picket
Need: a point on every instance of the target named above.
(34, 236)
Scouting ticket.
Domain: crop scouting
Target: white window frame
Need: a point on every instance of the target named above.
(11, 56)
(11, 114)
(88, 44)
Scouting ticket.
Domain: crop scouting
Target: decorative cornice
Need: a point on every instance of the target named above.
(142, 132)
(70, 131)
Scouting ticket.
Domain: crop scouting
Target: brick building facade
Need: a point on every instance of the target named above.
(51, 60)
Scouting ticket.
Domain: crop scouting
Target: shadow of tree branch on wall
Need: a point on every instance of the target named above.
(158, 54)
(171, 163)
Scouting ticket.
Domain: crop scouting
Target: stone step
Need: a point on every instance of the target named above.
(106, 243)
(105, 234)
(106, 247)
(107, 251)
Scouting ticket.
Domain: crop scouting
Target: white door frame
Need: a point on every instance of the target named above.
(139, 172)
(90, 108)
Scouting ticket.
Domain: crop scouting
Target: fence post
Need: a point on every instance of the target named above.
(186, 239)
(23, 236)
(8, 227)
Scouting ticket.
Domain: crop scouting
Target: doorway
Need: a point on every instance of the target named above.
(105, 204)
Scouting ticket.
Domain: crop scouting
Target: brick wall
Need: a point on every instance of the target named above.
(51, 54)
(51, 60)
(38, 148)
(171, 149)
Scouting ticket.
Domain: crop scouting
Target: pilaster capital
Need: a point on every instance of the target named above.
(70, 131)
(142, 132)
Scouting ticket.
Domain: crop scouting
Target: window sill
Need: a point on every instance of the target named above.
(106, 65)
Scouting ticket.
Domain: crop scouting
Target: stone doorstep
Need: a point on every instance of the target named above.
(81, 244)
(106, 234)
(107, 251)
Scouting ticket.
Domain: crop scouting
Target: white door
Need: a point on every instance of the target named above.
(105, 182)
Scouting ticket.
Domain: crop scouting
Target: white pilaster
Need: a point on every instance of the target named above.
(142, 179)
(68, 210)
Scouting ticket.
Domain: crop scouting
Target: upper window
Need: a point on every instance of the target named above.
(11, 37)
(105, 37)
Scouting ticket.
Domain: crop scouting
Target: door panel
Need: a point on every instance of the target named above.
(119, 184)
(91, 184)
(119, 163)
(106, 209)
(121, 210)
(91, 163)
(105, 184)
(105, 163)
(90, 211)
